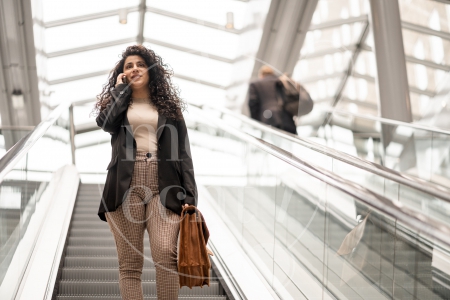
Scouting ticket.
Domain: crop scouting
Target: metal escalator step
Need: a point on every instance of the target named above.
(112, 288)
(101, 275)
(86, 210)
(97, 251)
(88, 199)
(89, 232)
(97, 262)
(91, 204)
(107, 241)
(145, 297)
(98, 224)
(90, 196)
(86, 217)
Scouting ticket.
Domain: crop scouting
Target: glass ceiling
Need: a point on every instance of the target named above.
(80, 42)
(335, 45)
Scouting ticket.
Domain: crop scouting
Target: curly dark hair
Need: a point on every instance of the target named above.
(164, 95)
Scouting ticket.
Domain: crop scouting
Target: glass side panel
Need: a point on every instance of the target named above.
(24, 194)
(308, 239)
(413, 152)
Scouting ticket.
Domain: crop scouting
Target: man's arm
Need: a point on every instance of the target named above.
(253, 102)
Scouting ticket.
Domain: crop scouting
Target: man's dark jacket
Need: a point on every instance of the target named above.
(264, 95)
(175, 170)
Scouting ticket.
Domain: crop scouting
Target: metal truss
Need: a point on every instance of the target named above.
(140, 39)
(142, 8)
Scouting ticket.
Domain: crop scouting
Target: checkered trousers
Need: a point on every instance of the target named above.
(142, 210)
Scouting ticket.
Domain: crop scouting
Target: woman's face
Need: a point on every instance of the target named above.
(136, 71)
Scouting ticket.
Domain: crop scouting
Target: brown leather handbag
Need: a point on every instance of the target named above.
(193, 260)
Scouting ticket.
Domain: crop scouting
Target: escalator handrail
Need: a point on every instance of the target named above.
(386, 121)
(419, 184)
(21, 148)
(418, 221)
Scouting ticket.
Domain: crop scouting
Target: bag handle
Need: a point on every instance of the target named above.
(189, 208)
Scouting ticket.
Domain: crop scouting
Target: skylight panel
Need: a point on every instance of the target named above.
(62, 9)
(193, 36)
(90, 32)
(207, 10)
(195, 66)
(84, 62)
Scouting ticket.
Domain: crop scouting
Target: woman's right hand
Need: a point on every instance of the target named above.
(120, 79)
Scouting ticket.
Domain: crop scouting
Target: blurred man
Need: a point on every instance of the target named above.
(266, 102)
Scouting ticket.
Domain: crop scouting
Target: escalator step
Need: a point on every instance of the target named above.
(104, 275)
(86, 210)
(97, 251)
(98, 241)
(145, 297)
(112, 288)
(95, 242)
(90, 224)
(89, 204)
(97, 262)
(86, 217)
(90, 269)
(89, 232)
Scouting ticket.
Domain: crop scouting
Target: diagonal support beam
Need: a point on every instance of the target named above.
(284, 32)
(340, 89)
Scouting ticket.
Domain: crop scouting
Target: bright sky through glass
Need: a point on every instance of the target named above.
(173, 28)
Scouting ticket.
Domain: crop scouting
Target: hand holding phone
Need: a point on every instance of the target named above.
(122, 78)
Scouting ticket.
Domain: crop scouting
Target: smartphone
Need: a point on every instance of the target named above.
(124, 79)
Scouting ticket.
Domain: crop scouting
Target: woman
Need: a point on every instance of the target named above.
(150, 176)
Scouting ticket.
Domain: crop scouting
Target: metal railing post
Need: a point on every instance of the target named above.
(72, 133)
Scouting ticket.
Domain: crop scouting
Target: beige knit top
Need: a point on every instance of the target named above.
(143, 118)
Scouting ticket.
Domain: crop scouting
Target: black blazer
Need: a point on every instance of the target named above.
(175, 170)
(263, 95)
